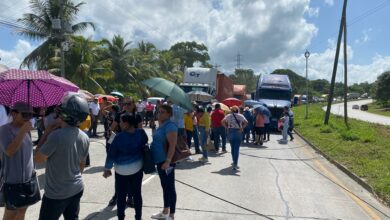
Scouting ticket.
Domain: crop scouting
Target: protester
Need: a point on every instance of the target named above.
(125, 154)
(84, 126)
(259, 127)
(267, 126)
(94, 110)
(149, 114)
(4, 115)
(204, 127)
(165, 133)
(219, 132)
(130, 109)
(195, 134)
(285, 122)
(17, 155)
(140, 107)
(247, 130)
(235, 123)
(104, 113)
(189, 126)
(64, 149)
(290, 122)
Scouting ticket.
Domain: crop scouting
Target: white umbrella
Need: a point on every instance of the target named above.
(200, 96)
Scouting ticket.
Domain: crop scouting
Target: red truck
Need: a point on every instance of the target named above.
(224, 87)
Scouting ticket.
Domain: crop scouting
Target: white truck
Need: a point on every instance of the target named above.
(200, 79)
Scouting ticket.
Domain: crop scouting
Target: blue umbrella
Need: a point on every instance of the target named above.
(252, 102)
(264, 110)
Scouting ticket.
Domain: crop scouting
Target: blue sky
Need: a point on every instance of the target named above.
(268, 34)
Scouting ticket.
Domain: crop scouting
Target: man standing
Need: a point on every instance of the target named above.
(94, 110)
(217, 128)
(65, 147)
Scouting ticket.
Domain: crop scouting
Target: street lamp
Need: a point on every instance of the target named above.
(307, 54)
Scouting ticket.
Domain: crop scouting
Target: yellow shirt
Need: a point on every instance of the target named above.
(85, 124)
(204, 121)
(188, 123)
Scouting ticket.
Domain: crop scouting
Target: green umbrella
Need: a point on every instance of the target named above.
(117, 94)
(170, 90)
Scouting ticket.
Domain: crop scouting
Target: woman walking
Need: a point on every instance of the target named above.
(259, 127)
(203, 127)
(235, 123)
(17, 158)
(125, 154)
(163, 149)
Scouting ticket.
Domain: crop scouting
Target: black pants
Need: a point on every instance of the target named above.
(168, 187)
(131, 184)
(52, 209)
(94, 124)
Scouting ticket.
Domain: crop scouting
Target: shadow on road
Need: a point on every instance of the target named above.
(106, 213)
(228, 171)
(189, 165)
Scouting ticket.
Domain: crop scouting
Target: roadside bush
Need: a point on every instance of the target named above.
(349, 136)
(325, 130)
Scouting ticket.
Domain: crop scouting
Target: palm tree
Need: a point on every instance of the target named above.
(86, 64)
(38, 26)
(120, 54)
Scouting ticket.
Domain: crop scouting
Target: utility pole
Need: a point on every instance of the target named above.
(336, 59)
(238, 60)
(345, 71)
(61, 37)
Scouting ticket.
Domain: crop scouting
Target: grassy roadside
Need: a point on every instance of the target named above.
(364, 149)
(377, 109)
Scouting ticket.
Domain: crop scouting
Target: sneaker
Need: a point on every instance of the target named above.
(160, 215)
(203, 160)
(291, 139)
(224, 151)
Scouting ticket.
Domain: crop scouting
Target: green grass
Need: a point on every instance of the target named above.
(377, 109)
(364, 148)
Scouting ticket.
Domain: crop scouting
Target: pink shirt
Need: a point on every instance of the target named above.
(259, 120)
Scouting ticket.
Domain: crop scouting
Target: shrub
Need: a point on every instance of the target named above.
(325, 130)
(349, 136)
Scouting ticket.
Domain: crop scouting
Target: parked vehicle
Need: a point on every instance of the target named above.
(275, 91)
(355, 106)
(239, 92)
(207, 80)
(364, 107)
(353, 95)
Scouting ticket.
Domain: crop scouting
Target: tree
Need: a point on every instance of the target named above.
(383, 88)
(320, 85)
(245, 77)
(189, 53)
(85, 64)
(38, 26)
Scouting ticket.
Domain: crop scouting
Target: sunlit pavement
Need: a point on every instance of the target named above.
(274, 181)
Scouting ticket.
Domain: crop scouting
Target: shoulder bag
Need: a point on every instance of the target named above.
(238, 123)
(149, 166)
(182, 151)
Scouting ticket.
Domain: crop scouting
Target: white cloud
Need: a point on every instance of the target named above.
(329, 2)
(14, 57)
(313, 12)
(365, 36)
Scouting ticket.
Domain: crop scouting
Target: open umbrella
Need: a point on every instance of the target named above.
(110, 98)
(232, 101)
(264, 110)
(170, 90)
(251, 102)
(85, 94)
(199, 96)
(224, 107)
(38, 88)
(117, 94)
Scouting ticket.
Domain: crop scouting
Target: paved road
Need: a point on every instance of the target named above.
(338, 109)
(275, 181)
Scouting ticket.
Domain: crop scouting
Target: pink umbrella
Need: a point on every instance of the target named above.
(38, 88)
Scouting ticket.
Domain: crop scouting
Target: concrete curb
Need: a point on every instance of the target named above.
(352, 175)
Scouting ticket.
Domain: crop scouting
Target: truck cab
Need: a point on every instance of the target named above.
(200, 79)
(275, 91)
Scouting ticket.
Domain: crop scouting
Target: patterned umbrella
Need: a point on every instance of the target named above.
(38, 88)
(200, 96)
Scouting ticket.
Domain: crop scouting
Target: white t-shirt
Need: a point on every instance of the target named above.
(95, 108)
(232, 122)
(140, 107)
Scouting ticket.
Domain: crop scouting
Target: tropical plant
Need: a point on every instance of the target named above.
(38, 26)
(383, 91)
(189, 53)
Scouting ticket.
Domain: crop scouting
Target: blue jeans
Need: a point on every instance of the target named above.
(132, 184)
(196, 138)
(219, 132)
(235, 137)
(168, 187)
(203, 140)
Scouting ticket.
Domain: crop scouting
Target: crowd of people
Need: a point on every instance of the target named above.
(64, 147)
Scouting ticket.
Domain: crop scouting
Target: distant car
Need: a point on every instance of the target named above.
(154, 100)
(364, 107)
(355, 107)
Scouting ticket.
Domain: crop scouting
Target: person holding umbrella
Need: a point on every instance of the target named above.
(235, 123)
